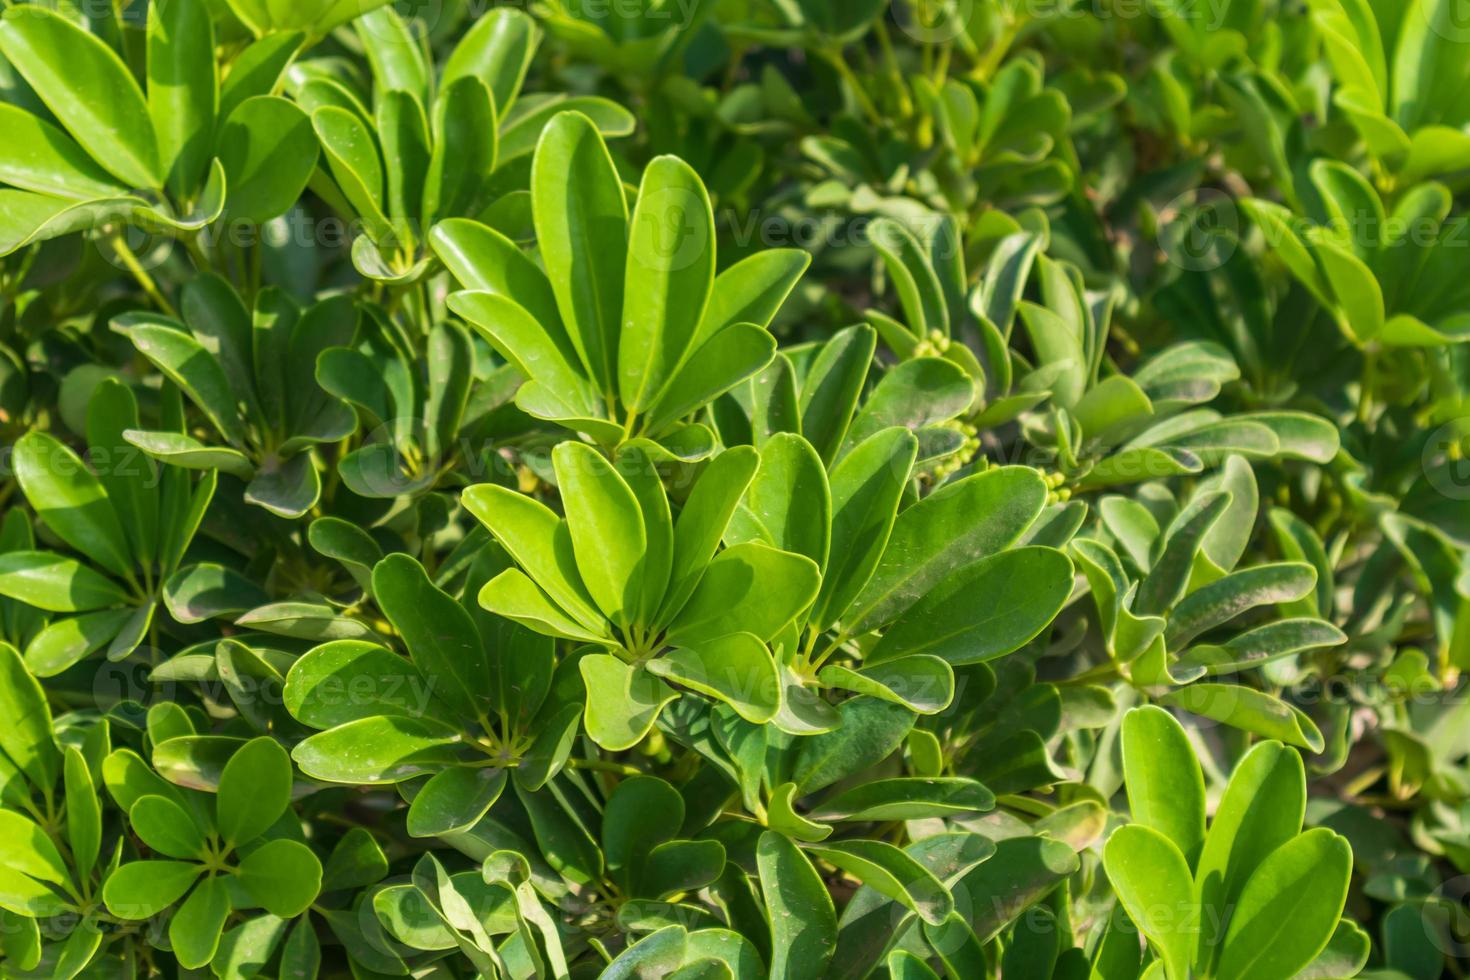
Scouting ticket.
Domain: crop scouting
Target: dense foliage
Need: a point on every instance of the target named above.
(734, 488)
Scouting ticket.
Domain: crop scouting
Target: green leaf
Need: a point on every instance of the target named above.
(283, 876)
(464, 151)
(1166, 789)
(703, 521)
(454, 800)
(670, 274)
(1288, 907)
(36, 156)
(26, 735)
(679, 866)
(254, 790)
(49, 581)
(352, 156)
(871, 729)
(188, 364)
(89, 90)
(183, 92)
(787, 504)
(346, 680)
(907, 798)
(258, 69)
(623, 701)
(891, 872)
(143, 889)
(921, 682)
(1249, 710)
(540, 542)
(287, 489)
(195, 928)
(581, 216)
(752, 290)
(912, 276)
(1270, 641)
(403, 131)
(497, 50)
(1025, 588)
(735, 354)
(746, 588)
(166, 827)
(913, 395)
(641, 813)
(269, 149)
(1224, 599)
(440, 635)
(866, 487)
(903, 965)
(71, 501)
(83, 812)
(1152, 881)
(829, 394)
(798, 908)
(379, 750)
(737, 669)
(512, 595)
(25, 848)
(206, 591)
(1169, 577)
(953, 527)
(1262, 809)
(606, 525)
(563, 840)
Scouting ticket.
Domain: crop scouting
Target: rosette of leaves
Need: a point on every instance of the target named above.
(242, 851)
(819, 792)
(1153, 423)
(493, 916)
(661, 605)
(251, 375)
(1407, 115)
(961, 146)
(925, 259)
(1111, 428)
(883, 626)
(1012, 889)
(53, 829)
(411, 395)
(1169, 596)
(817, 391)
(1252, 895)
(1003, 144)
(89, 147)
(477, 699)
(432, 144)
(639, 42)
(643, 870)
(817, 795)
(1385, 276)
(628, 331)
(1103, 430)
(130, 520)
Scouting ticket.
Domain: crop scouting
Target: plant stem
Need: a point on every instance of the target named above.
(130, 261)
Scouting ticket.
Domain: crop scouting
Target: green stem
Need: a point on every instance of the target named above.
(130, 261)
(599, 765)
(834, 57)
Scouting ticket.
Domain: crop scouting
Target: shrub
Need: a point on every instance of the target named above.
(758, 488)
